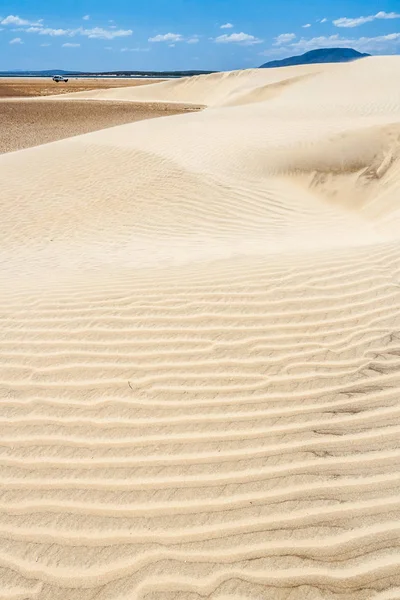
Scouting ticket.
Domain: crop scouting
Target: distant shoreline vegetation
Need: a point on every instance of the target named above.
(126, 74)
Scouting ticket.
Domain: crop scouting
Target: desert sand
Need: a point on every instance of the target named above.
(26, 87)
(200, 342)
(32, 122)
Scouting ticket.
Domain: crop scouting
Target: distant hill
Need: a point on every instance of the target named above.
(323, 55)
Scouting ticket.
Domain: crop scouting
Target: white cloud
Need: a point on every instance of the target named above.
(104, 34)
(15, 20)
(345, 22)
(16, 41)
(355, 22)
(303, 45)
(306, 26)
(226, 26)
(323, 20)
(93, 32)
(108, 48)
(238, 38)
(47, 31)
(382, 43)
(171, 45)
(167, 37)
(173, 38)
(68, 45)
(284, 38)
(132, 49)
(38, 27)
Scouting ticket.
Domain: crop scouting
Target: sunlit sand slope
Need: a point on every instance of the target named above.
(200, 347)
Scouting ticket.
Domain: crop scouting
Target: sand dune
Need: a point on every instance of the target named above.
(214, 89)
(200, 346)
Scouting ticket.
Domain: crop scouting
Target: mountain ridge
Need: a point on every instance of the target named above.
(321, 55)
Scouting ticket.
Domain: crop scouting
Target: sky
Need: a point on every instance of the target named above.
(100, 35)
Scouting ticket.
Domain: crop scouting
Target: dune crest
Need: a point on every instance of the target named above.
(199, 385)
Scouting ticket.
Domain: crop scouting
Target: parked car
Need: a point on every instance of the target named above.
(60, 78)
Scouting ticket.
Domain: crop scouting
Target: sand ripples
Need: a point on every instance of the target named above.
(217, 420)
(271, 464)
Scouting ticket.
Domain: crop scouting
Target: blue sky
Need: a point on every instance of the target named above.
(187, 34)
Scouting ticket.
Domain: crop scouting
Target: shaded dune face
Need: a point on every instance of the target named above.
(199, 333)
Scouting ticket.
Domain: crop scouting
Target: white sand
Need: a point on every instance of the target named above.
(200, 339)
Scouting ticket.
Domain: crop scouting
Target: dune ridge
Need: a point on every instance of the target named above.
(200, 343)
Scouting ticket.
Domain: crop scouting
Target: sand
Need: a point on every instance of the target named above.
(26, 87)
(200, 340)
(32, 122)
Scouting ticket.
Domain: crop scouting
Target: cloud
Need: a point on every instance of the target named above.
(109, 48)
(104, 34)
(68, 45)
(173, 38)
(46, 31)
(355, 22)
(238, 38)
(16, 41)
(15, 20)
(226, 26)
(382, 43)
(132, 49)
(284, 38)
(38, 27)
(323, 20)
(167, 37)
(306, 26)
(44, 45)
(93, 32)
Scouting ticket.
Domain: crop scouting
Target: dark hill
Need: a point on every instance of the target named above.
(323, 55)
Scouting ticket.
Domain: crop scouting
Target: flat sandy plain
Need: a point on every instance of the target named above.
(200, 342)
(26, 120)
(27, 87)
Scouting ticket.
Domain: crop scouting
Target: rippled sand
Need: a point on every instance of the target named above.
(200, 342)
